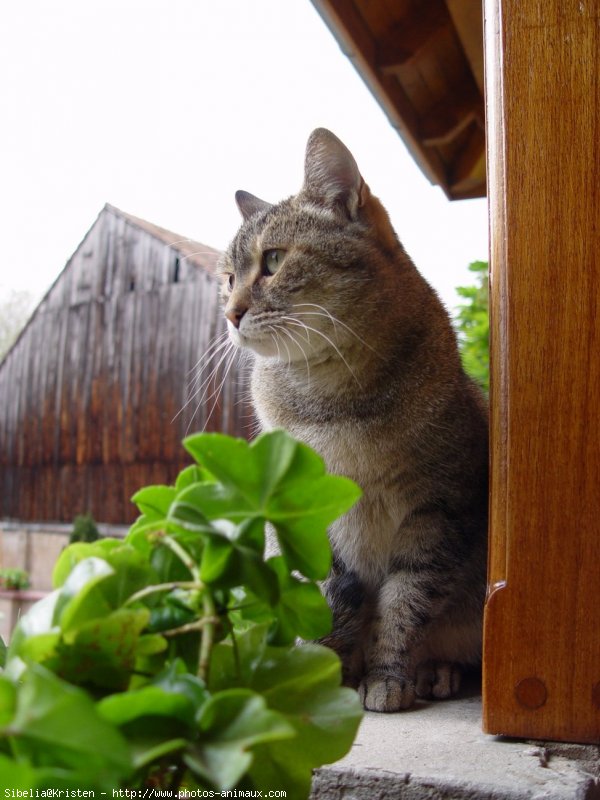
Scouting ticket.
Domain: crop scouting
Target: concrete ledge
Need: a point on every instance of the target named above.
(438, 752)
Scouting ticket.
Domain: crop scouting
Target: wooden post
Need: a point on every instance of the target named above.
(542, 623)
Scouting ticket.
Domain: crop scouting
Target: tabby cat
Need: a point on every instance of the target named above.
(355, 355)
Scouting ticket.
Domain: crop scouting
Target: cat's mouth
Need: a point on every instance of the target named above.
(266, 344)
(275, 340)
(261, 345)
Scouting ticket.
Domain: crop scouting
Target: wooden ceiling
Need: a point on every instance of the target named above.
(423, 61)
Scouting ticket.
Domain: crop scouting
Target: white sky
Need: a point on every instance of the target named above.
(165, 107)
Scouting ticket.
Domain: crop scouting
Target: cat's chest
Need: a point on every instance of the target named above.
(368, 538)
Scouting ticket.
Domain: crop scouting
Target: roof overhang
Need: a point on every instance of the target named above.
(423, 61)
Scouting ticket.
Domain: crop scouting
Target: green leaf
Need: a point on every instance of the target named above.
(102, 652)
(131, 568)
(2, 653)
(190, 475)
(8, 700)
(173, 693)
(273, 454)
(150, 644)
(16, 775)
(325, 724)
(38, 621)
(233, 556)
(301, 512)
(74, 553)
(168, 565)
(276, 479)
(230, 461)
(231, 723)
(284, 672)
(154, 501)
(201, 502)
(187, 510)
(168, 616)
(57, 724)
(472, 325)
(79, 598)
(303, 684)
(301, 610)
(40, 648)
(235, 660)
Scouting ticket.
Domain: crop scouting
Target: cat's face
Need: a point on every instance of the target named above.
(301, 278)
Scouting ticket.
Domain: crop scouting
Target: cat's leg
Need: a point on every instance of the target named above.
(406, 605)
(348, 601)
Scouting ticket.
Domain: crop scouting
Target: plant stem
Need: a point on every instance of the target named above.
(207, 625)
(189, 627)
(208, 635)
(161, 587)
(183, 556)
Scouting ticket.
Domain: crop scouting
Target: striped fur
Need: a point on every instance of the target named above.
(356, 356)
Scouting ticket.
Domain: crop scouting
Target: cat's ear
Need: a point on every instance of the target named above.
(330, 173)
(249, 205)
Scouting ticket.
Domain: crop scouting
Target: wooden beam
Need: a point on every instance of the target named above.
(446, 119)
(467, 17)
(468, 170)
(404, 40)
(542, 622)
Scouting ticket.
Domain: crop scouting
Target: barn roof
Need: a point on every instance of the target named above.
(196, 253)
(423, 61)
(192, 252)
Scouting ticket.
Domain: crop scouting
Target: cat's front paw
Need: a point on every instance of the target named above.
(439, 679)
(386, 693)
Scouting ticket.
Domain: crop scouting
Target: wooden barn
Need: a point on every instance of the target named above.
(107, 377)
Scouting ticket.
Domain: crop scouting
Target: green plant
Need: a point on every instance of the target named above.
(84, 529)
(472, 322)
(167, 659)
(13, 578)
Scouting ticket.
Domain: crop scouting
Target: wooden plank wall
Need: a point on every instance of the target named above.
(91, 396)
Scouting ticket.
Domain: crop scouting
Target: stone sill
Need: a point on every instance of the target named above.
(438, 751)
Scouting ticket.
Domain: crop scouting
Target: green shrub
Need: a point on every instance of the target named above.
(472, 323)
(168, 659)
(84, 529)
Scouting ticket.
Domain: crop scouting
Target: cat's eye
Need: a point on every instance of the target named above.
(272, 260)
(230, 281)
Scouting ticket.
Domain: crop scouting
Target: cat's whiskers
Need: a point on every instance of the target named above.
(201, 384)
(202, 379)
(275, 336)
(308, 328)
(217, 391)
(324, 312)
(209, 253)
(300, 347)
(215, 347)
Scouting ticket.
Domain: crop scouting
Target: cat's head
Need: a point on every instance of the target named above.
(307, 277)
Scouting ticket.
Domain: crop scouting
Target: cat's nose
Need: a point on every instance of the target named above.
(235, 314)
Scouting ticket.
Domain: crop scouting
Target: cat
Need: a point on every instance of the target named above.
(355, 355)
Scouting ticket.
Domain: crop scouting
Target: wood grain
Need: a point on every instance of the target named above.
(542, 623)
